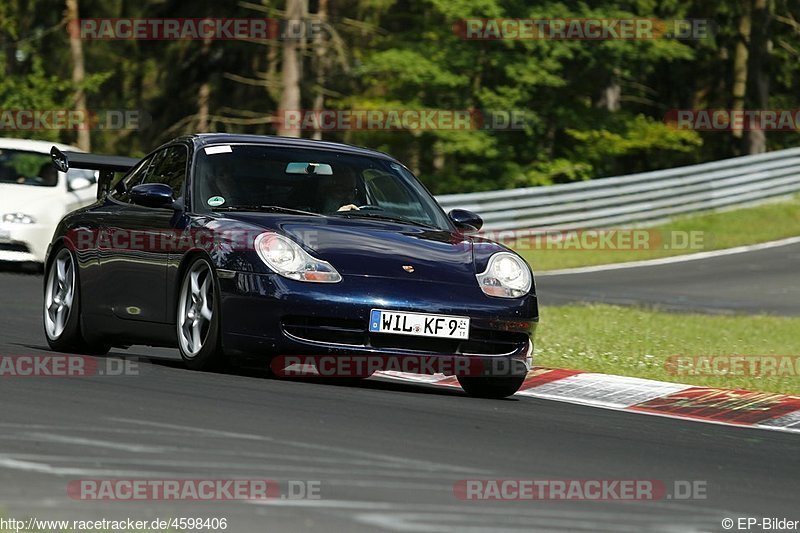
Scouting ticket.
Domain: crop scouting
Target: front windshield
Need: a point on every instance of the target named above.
(248, 176)
(27, 168)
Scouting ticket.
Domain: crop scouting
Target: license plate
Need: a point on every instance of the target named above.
(419, 324)
(5, 235)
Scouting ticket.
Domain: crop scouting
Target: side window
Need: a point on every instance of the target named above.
(169, 168)
(120, 188)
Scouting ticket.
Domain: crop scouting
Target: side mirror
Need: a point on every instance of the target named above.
(79, 183)
(466, 220)
(152, 195)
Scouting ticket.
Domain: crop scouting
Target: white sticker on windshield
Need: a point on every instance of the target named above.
(216, 201)
(224, 149)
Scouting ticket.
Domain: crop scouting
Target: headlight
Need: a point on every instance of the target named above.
(288, 259)
(506, 276)
(18, 218)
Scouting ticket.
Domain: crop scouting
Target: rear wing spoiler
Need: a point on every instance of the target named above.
(107, 165)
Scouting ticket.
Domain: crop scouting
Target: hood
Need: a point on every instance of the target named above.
(376, 247)
(17, 198)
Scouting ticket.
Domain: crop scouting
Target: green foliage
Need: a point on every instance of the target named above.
(589, 109)
(633, 139)
(35, 90)
(558, 170)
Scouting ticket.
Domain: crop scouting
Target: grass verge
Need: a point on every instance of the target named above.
(710, 231)
(639, 342)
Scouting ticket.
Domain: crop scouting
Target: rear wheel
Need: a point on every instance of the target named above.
(62, 305)
(491, 387)
(199, 339)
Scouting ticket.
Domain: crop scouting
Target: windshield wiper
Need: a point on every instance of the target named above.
(381, 216)
(266, 209)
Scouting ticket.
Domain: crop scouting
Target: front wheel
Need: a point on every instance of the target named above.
(62, 306)
(198, 320)
(491, 387)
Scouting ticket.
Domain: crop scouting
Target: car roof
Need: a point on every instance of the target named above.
(207, 139)
(31, 145)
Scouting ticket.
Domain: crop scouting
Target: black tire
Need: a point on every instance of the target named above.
(210, 355)
(69, 337)
(491, 387)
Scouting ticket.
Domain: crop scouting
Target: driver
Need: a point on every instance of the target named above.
(339, 193)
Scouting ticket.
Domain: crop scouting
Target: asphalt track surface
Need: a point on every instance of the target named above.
(759, 282)
(386, 455)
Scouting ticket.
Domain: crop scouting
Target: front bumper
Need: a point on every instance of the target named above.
(265, 315)
(24, 242)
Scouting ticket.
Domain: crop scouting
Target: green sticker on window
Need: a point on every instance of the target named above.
(216, 201)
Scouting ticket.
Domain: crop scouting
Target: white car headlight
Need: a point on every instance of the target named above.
(18, 218)
(287, 258)
(506, 276)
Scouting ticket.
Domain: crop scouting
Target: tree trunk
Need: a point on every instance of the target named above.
(740, 70)
(273, 51)
(415, 157)
(78, 75)
(756, 140)
(203, 96)
(291, 69)
(321, 64)
(204, 93)
(610, 96)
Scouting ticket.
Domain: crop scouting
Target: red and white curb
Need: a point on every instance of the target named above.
(762, 410)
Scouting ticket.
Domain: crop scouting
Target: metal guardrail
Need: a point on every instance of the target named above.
(637, 198)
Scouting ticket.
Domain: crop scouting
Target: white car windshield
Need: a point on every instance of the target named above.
(27, 168)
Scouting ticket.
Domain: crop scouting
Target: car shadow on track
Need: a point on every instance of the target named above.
(265, 374)
(369, 384)
(26, 269)
(376, 383)
(168, 359)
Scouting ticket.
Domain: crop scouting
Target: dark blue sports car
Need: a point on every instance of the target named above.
(251, 247)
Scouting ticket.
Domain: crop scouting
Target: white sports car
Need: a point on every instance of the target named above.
(34, 197)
